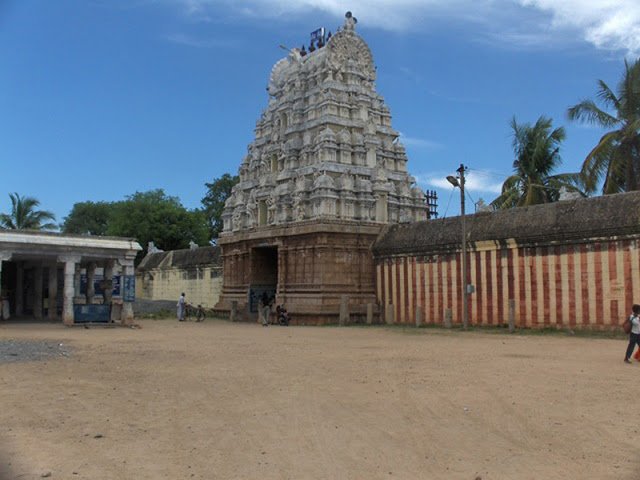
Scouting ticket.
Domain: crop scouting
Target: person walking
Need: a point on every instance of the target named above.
(181, 305)
(634, 335)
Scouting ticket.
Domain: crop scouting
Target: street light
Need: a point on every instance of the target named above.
(459, 182)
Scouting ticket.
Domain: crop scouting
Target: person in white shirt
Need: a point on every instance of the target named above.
(181, 305)
(634, 335)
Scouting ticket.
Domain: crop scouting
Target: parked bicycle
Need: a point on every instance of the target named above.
(197, 312)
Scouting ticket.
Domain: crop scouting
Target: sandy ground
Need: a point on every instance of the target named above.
(217, 400)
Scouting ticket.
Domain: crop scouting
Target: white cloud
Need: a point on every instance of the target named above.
(606, 24)
(385, 14)
(476, 181)
(191, 41)
(419, 142)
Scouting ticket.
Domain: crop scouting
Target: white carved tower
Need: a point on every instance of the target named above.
(324, 174)
(324, 148)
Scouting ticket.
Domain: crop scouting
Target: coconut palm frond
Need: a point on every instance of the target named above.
(596, 164)
(587, 111)
(24, 215)
(615, 160)
(606, 96)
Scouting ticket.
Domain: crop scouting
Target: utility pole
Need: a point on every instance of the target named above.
(459, 182)
(465, 294)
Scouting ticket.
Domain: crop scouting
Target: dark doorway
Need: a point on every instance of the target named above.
(7, 286)
(264, 275)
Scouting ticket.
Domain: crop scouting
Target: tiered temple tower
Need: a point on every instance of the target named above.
(325, 172)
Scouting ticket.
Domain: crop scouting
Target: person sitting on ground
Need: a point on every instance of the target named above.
(199, 313)
(282, 315)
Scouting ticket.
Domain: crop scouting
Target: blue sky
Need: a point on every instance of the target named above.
(103, 98)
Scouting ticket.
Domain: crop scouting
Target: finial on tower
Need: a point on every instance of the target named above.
(350, 21)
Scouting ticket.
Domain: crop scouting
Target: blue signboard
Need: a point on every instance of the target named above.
(97, 285)
(91, 313)
(317, 35)
(129, 288)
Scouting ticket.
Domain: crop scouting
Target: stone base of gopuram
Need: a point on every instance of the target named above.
(316, 269)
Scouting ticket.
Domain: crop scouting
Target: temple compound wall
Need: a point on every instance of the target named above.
(570, 264)
(196, 271)
(325, 172)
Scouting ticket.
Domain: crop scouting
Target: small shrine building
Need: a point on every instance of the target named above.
(75, 278)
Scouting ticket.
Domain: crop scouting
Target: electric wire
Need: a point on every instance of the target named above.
(448, 202)
(470, 197)
(491, 173)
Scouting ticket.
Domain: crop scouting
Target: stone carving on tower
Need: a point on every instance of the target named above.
(324, 148)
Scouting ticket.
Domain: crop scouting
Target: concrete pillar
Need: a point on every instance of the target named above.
(127, 304)
(369, 313)
(344, 310)
(108, 282)
(447, 318)
(37, 292)
(19, 289)
(91, 276)
(418, 316)
(282, 273)
(70, 269)
(388, 314)
(53, 292)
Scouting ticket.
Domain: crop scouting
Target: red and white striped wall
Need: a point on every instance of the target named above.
(583, 285)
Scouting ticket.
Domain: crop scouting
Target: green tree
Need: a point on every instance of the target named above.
(537, 155)
(24, 215)
(88, 218)
(213, 202)
(155, 216)
(616, 157)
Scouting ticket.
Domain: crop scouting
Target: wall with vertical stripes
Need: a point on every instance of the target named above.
(580, 285)
(577, 269)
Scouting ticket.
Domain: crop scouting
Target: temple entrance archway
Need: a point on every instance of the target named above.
(264, 275)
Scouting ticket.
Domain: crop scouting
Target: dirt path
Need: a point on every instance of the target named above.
(230, 401)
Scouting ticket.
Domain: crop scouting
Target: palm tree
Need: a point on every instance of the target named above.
(537, 152)
(616, 157)
(25, 216)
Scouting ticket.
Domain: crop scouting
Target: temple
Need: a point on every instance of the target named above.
(325, 172)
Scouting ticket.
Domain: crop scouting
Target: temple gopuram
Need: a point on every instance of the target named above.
(325, 172)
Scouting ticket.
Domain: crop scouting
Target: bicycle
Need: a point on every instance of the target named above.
(197, 312)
